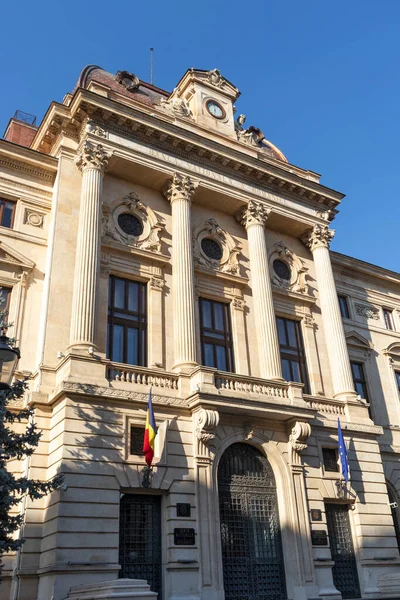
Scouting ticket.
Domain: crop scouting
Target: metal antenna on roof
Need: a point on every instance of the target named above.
(151, 65)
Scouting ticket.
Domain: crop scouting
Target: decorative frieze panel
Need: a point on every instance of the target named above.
(215, 248)
(368, 311)
(287, 270)
(34, 218)
(129, 221)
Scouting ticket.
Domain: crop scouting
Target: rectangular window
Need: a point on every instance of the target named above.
(127, 322)
(7, 210)
(330, 458)
(292, 352)
(397, 375)
(388, 317)
(216, 335)
(136, 440)
(359, 380)
(344, 307)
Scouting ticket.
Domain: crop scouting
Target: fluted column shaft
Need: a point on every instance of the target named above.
(254, 217)
(179, 192)
(318, 240)
(92, 161)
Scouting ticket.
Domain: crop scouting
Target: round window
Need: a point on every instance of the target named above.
(130, 224)
(211, 248)
(282, 269)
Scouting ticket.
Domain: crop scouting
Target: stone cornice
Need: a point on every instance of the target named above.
(341, 261)
(348, 427)
(151, 126)
(28, 162)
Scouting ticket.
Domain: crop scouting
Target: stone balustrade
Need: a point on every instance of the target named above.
(326, 406)
(142, 376)
(231, 382)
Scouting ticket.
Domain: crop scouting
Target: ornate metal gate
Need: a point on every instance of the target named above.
(345, 576)
(250, 532)
(140, 539)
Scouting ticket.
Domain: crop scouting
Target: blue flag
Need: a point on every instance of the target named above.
(343, 460)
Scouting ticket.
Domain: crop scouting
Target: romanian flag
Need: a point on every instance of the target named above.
(149, 434)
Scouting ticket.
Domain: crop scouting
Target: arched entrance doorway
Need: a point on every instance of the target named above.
(252, 555)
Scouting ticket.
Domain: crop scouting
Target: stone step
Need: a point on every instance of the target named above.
(120, 589)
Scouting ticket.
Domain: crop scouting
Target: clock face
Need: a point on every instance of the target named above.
(215, 109)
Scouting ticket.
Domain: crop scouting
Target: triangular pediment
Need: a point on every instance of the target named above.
(10, 256)
(355, 339)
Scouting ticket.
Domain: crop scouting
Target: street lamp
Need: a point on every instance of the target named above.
(9, 357)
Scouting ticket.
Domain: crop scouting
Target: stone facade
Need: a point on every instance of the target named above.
(187, 171)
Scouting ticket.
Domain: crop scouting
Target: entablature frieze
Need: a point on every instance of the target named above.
(151, 127)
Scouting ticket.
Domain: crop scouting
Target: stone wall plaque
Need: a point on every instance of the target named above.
(316, 514)
(319, 537)
(183, 509)
(184, 536)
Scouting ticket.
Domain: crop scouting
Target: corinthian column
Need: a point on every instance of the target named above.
(254, 217)
(318, 240)
(92, 161)
(179, 192)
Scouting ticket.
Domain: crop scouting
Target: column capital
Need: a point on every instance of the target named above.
(181, 187)
(92, 156)
(255, 213)
(317, 237)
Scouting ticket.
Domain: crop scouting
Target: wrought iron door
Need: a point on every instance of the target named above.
(252, 555)
(345, 576)
(140, 539)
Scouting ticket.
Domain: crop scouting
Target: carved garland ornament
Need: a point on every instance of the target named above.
(229, 248)
(296, 280)
(255, 213)
(367, 310)
(131, 211)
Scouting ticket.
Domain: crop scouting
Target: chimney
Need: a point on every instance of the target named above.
(21, 129)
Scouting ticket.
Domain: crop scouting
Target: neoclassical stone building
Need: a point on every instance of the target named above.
(153, 239)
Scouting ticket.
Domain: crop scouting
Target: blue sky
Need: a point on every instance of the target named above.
(321, 79)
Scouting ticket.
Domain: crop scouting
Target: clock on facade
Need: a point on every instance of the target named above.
(215, 109)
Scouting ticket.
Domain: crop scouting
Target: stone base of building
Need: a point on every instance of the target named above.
(123, 589)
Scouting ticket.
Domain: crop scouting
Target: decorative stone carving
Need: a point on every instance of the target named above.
(238, 303)
(297, 268)
(298, 440)
(252, 214)
(206, 423)
(92, 156)
(94, 129)
(319, 235)
(157, 283)
(128, 80)
(33, 218)
(230, 248)
(215, 78)
(176, 105)
(248, 430)
(309, 321)
(367, 310)
(149, 238)
(181, 187)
